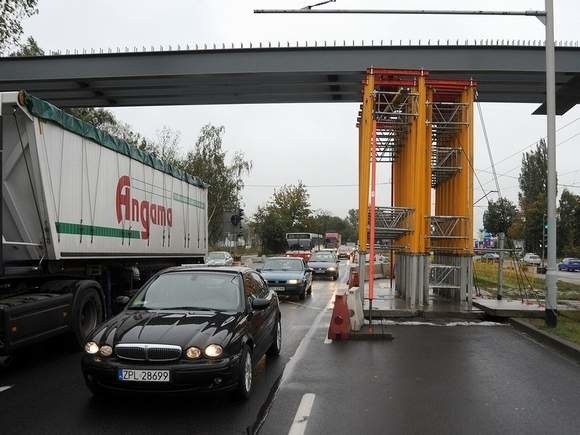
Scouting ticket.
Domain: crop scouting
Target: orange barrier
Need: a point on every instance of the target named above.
(339, 328)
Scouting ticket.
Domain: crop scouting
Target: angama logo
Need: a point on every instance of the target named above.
(132, 209)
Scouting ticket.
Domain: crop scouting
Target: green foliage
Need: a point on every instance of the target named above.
(287, 211)
(532, 197)
(569, 225)
(499, 216)
(208, 161)
(323, 221)
(12, 12)
(29, 48)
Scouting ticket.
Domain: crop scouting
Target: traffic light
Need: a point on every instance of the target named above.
(241, 213)
(235, 220)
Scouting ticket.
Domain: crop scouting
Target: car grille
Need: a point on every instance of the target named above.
(148, 352)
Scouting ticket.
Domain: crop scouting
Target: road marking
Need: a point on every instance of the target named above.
(301, 418)
(5, 388)
(303, 306)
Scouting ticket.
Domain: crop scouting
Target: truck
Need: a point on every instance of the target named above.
(332, 239)
(86, 220)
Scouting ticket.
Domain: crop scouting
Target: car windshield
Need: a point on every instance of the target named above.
(283, 264)
(323, 257)
(190, 290)
(216, 255)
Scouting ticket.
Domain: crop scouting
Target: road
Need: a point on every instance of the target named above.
(48, 394)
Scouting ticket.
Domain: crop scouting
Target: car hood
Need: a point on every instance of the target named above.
(321, 264)
(281, 275)
(195, 328)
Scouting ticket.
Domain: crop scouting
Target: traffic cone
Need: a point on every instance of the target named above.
(339, 328)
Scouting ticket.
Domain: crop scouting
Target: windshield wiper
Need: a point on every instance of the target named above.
(189, 308)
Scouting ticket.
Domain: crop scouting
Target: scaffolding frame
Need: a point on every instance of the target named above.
(445, 162)
(392, 222)
(447, 227)
(394, 111)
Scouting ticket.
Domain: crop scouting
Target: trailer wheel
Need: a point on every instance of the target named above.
(87, 313)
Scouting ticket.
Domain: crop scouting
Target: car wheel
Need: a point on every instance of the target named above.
(246, 380)
(276, 346)
(302, 295)
(309, 291)
(87, 314)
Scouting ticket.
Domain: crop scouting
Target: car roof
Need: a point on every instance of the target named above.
(205, 268)
(284, 258)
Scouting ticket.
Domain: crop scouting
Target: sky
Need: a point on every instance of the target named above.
(314, 143)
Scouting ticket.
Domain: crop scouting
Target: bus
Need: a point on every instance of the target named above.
(304, 241)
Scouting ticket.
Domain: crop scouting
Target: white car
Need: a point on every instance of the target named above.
(219, 258)
(532, 259)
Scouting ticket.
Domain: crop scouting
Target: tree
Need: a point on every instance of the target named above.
(499, 216)
(568, 223)
(29, 48)
(208, 161)
(532, 197)
(12, 12)
(323, 221)
(287, 211)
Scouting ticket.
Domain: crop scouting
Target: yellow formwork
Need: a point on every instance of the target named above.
(411, 172)
(364, 156)
(454, 197)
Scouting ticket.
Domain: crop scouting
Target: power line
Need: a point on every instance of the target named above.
(531, 145)
(309, 185)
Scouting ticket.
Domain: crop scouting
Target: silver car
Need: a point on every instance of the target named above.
(219, 258)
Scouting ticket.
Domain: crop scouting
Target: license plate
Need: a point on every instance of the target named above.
(278, 289)
(130, 375)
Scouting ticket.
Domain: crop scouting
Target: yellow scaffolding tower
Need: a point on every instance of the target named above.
(424, 128)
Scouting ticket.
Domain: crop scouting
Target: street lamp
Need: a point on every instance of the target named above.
(547, 18)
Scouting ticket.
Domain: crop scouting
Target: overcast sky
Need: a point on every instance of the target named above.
(315, 143)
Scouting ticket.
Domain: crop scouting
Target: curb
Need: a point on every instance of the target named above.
(564, 346)
(378, 333)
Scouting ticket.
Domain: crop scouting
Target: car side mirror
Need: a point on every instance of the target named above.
(309, 269)
(260, 303)
(258, 269)
(122, 300)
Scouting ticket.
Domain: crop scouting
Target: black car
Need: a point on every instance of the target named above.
(324, 263)
(188, 329)
(288, 276)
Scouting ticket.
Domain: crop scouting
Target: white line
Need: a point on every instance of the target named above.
(301, 418)
(5, 388)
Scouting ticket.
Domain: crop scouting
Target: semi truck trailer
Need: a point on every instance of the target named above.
(86, 220)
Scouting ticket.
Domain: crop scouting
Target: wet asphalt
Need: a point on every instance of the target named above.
(431, 380)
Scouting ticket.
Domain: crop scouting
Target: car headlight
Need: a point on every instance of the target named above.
(331, 269)
(294, 281)
(192, 353)
(213, 350)
(106, 350)
(91, 348)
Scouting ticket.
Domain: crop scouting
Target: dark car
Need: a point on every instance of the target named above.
(288, 275)
(188, 329)
(344, 253)
(324, 263)
(569, 264)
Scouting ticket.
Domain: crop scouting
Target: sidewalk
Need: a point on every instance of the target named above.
(429, 379)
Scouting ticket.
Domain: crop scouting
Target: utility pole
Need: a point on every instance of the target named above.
(501, 243)
(551, 288)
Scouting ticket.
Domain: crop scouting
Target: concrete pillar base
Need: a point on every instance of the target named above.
(412, 278)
